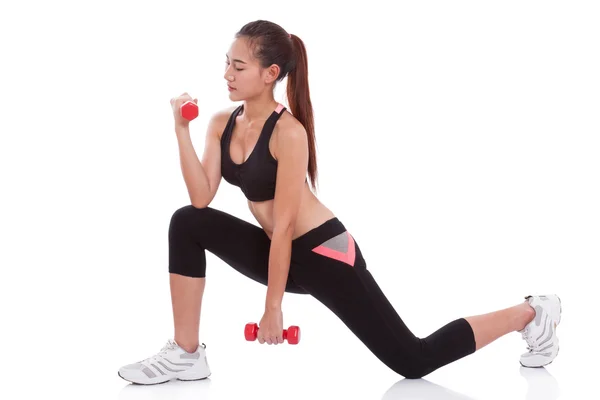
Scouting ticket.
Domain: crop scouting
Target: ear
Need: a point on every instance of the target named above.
(272, 73)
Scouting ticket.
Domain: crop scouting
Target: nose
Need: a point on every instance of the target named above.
(228, 75)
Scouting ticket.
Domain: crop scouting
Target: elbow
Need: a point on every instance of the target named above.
(200, 203)
(201, 197)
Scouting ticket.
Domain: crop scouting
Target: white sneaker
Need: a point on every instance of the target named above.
(172, 362)
(540, 333)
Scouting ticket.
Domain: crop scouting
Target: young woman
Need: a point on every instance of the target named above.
(300, 246)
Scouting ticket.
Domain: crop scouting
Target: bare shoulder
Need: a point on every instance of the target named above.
(288, 125)
(288, 130)
(219, 119)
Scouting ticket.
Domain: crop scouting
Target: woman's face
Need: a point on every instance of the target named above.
(243, 72)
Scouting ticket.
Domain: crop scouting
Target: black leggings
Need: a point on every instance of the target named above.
(326, 263)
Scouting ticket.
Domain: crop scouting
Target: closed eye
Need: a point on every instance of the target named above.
(237, 69)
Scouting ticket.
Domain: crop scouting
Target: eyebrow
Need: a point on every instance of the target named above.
(236, 59)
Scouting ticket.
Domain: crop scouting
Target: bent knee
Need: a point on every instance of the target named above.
(412, 367)
(414, 372)
(190, 210)
(182, 217)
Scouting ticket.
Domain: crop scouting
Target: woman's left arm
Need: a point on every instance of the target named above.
(292, 164)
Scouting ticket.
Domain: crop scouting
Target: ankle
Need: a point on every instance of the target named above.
(526, 315)
(190, 347)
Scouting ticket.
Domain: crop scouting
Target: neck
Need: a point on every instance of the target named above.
(258, 109)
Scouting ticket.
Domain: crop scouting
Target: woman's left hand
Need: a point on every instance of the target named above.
(270, 328)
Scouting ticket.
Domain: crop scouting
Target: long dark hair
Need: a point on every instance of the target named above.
(271, 44)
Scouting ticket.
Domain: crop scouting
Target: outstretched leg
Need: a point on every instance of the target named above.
(328, 264)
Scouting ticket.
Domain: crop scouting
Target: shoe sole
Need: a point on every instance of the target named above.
(541, 366)
(160, 383)
(558, 349)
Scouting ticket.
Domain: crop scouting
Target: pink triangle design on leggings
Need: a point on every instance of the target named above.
(340, 247)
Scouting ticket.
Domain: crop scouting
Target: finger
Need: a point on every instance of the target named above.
(261, 340)
(280, 339)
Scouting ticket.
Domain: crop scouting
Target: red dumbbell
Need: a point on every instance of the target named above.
(292, 334)
(189, 110)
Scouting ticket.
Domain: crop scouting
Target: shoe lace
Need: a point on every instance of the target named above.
(532, 344)
(170, 345)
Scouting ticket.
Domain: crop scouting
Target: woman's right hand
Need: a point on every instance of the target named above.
(176, 103)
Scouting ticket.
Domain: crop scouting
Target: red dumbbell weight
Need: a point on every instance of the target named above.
(189, 110)
(292, 334)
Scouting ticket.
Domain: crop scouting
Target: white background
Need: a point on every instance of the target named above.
(457, 141)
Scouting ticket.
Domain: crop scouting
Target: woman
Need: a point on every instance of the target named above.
(300, 246)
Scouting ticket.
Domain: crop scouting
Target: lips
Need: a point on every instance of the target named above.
(230, 88)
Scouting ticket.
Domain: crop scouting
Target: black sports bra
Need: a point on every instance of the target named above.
(257, 175)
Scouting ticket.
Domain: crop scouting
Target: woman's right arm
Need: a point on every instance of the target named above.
(202, 179)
